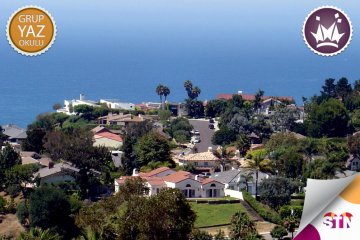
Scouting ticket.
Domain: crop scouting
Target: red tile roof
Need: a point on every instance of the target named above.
(109, 135)
(209, 180)
(154, 172)
(177, 177)
(155, 181)
(250, 97)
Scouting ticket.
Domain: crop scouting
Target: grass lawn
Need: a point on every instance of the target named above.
(215, 214)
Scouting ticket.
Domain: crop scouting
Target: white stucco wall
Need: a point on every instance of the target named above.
(106, 142)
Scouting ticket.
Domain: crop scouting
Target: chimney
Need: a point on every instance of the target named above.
(196, 177)
(82, 96)
(210, 149)
(240, 92)
(135, 172)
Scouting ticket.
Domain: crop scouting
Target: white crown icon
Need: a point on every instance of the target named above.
(328, 36)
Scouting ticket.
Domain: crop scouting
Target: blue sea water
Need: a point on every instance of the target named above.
(124, 49)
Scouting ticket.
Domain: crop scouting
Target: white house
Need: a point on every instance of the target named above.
(190, 185)
(60, 172)
(240, 179)
(117, 104)
(69, 104)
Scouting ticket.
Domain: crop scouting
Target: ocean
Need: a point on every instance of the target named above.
(124, 49)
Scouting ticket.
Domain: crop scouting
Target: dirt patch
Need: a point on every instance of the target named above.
(10, 226)
(264, 226)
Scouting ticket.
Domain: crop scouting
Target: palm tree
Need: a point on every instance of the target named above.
(188, 85)
(88, 234)
(166, 92)
(224, 156)
(196, 92)
(259, 163)
(160, 91)
(247, 176)
(39, 234)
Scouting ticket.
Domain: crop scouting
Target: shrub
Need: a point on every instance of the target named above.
(285, 211)
(2, 205)
(278, 232)
(263, 210)
(22, 212)
(13, 190)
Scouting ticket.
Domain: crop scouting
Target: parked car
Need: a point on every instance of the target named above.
(211, 120)
(211, 126)
(195, 139)
(205, 174)
(196, 132)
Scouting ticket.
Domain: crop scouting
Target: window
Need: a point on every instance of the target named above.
(206, 164)
(213, 185)
(196, 163)
(188, 185)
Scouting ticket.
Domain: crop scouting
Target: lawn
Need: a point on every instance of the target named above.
(215, 214)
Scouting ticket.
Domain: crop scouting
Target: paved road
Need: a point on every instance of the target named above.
(202, 125)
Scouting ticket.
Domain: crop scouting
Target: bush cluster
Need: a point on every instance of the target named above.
(263, 210)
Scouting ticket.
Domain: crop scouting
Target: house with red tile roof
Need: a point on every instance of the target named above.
(251, 97)
(104, 137)
(192, 186)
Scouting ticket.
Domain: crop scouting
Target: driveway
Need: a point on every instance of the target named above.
(202, 125)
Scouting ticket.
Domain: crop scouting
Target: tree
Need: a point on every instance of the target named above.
(278, 232)
(329, 88)
(49, 208)
(241, 226)
(34, 139)
(194, 108)
(276, 191)
(223, 155)
(8, 159)
(284, 119)
(223, 136)
(257, 163)
(152, 147)
(166, 92)
(160, 91)
(291, 224)
(214, 108)
(21, 175)
(195, 92)
(188, 86)
(258, 98)
(343, 88)
(240, 124)
(39, 234)
(329, 119)
(57, 106)
(243, 143)
(164, 115)
(130, 215)
(78, 149)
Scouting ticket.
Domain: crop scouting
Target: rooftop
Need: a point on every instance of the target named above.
(251, 97)
(203, 156)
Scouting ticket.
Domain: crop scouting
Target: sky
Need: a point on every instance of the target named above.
(123, 49)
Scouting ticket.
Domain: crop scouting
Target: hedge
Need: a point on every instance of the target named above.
(263, 210)
(285, 211)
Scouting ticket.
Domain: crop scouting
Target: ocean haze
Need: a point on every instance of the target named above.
(123, 49)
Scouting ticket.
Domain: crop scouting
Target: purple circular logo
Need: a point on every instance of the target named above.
(327, 31)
